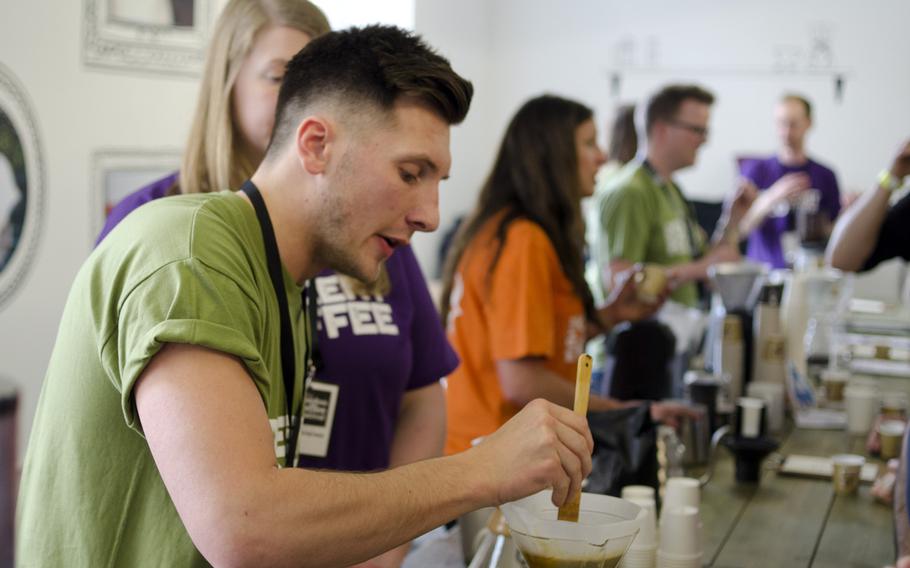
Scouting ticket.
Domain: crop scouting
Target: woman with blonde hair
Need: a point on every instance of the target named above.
(385, 406)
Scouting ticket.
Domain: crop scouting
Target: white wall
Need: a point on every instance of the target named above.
(78, 111)
(748, 53)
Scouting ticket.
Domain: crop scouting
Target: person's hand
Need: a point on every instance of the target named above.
(543, 446)
(900, 167)
(742, 199)
(789, 188)
(671, 413)
(624, 304)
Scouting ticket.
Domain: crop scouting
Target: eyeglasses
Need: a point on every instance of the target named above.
(693, 128)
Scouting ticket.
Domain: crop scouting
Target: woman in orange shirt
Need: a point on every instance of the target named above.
(517, 307)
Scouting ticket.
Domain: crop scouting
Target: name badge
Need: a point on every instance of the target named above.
(318, 416)
(676, 237)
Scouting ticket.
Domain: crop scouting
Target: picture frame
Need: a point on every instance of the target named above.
(154, 36)
(117, 173)
(22, 179)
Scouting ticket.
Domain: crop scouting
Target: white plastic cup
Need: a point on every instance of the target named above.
(647, 534)
(773, 395)
(640, 558)
(751, 417)
(679, 531)
(668, 560)
(631, 492)
(862, 406)
(682, 492)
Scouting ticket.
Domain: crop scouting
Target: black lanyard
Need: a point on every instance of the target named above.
(287, 333)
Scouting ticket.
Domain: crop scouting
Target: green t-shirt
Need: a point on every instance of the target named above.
(642, 219)
(188, 269)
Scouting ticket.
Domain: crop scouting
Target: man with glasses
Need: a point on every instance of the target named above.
(784, 179)
(643, 215)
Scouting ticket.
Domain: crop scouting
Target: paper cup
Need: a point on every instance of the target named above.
(647, 534)
(682, 492)
(750, 425)
(835, 381)
(650, 281)
(679, 531)
(847, 469)
(630, 492)
(891, 433)
(894, 405)
(862, 404)
(773, 394)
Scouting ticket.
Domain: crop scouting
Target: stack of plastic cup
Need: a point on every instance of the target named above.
(680, 540)
(680, 492)
(643, 551)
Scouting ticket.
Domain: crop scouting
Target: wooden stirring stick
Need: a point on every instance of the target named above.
(569, 511)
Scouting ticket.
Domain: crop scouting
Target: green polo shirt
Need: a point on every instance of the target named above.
(641, 218)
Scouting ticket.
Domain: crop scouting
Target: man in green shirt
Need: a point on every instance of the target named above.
(164, 422)
(643, 215)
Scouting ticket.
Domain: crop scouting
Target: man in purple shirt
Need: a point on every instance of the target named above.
(783, 181)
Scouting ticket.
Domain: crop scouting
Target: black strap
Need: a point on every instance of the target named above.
(287, 333)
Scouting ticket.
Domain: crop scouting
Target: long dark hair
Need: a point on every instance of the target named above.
(535, 177)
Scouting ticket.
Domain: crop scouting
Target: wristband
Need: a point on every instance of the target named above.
(889, 182)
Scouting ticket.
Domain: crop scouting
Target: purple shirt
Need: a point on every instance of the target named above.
(764, 242)
(373, 348)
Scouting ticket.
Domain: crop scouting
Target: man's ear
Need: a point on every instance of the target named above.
(313, 142)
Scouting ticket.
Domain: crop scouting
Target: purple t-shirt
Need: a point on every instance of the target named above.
(373, 348)
(764, 242)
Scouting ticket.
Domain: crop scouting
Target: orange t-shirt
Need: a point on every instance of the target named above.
(526, 307)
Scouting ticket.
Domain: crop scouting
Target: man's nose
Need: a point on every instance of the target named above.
(424, 216)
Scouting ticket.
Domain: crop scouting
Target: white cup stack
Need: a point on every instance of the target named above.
(680, 524)
(643, 551)
(680, 538)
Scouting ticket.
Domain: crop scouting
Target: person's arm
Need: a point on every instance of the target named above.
(787, 188)
(209, 435)
(420, 434)
(856, 233)
(526, 379)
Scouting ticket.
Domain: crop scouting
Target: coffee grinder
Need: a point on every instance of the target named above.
(729, 345)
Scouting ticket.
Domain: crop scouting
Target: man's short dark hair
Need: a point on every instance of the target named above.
(370, 66)
(665, 103)
(793, 97)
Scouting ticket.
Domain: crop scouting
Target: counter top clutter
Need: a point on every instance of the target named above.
(783, 521)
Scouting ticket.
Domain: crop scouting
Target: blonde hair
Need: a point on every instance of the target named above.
(213, 159)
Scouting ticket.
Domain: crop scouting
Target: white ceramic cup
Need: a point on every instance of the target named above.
(751, 417)
(679, 531)
(862, 406)
(773, 395)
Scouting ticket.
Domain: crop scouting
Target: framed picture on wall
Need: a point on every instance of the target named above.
(21, 184)
(118, 173)
(159, 36)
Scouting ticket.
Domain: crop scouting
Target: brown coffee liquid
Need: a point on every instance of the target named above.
(544, 562)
